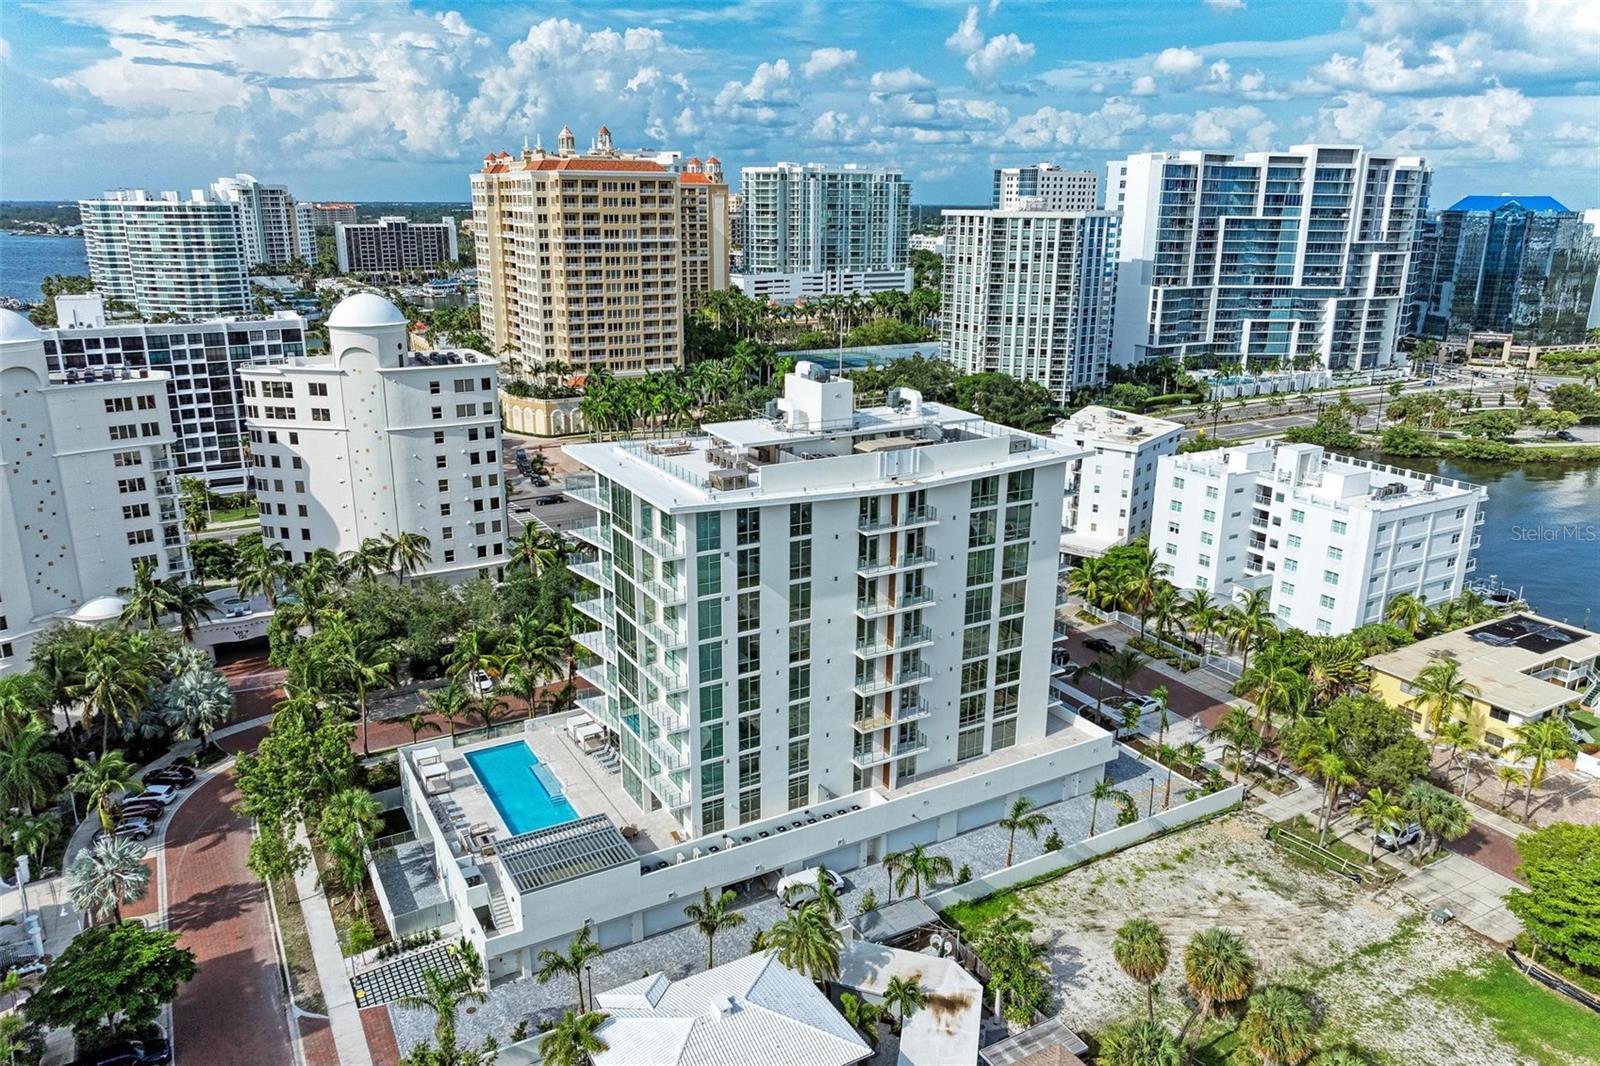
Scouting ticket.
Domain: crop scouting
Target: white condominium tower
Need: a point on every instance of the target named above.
(88, 489)
(1331, 539)
(276, 228)
(182, 258)
(815, 229)
(1048, 186)
(1267, 256)
(744, 577)
(591, 260)
(373, 440)
(1111, 491)
(1029, 293)
(201, 361)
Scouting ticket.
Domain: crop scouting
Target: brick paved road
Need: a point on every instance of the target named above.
(1489, 849)
(233, 1011)
(1182, 699)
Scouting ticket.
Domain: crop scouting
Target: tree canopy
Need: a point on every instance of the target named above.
(1561, 906)
(111, 977)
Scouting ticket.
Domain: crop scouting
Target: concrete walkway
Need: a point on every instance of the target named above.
(1475, 895)
(343, 1015)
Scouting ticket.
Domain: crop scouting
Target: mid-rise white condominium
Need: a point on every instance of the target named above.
(1269, 256)
(816, 229)
(186, 259)
(1332, 539)
(276, 227)
(201, 361)
(1029, 293)
(88, 489)
(1046, 185)
(373, 440)
(819, 602)
(1111, 491)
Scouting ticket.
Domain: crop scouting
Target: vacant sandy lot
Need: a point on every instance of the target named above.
(1374, 964)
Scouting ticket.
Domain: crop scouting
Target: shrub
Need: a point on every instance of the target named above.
(964, 874)
(1053, 842)
(359, 937)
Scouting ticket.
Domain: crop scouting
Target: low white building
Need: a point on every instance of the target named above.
(201, 361)
(373, 439)
(88, 491)
(788, 288)
(750, 1010)
(1332, 539)
(1111, 493)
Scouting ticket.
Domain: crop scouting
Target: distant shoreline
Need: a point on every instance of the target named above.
(37, 233)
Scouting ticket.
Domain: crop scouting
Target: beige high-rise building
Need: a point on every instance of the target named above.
(591, 259)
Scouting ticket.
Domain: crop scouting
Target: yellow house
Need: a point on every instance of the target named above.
(1524, 667)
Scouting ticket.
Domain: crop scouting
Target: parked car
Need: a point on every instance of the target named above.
(28, 968)
(137, 828)
(1566, 435)
(1101, 645)
(802, 887)
(1391, 838)
(520, 455)
(181, 776)
(147, 809)
(545, 501)
(538, 482)
(162, 794)
(156, 1051)
(484, 682)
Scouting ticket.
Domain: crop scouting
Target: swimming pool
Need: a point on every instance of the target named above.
(517, 790)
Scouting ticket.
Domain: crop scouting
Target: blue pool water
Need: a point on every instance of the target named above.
(522, 799)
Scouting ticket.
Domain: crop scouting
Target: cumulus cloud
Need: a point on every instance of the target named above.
(967, 38)
(1178, 61)
(1103, 128)
(1246, 128)
(987, 57)
(1225, 6)
(1144, 85)
(899, 80)
(1483, 126)
(769, 83)
(1386, 67)
(825, 61)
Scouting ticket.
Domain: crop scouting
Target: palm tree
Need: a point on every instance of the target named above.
(33, 835)
(905, 996)
(1331, 769)
(30, 768)
(863, 1015)
(115, 680)
(1103, 790)
(1022, 816)
(1543, 742)
(367, 560)
(574, 1040)
(149, 598)
(261, 568)
(1279, 1026)
(1203, 615)
(1444, 691)
(101, 779)
(711, 916)
(1456, 735)
(915, 867)
(407, 553)
(1218, 970)
(192, 606)
(581, 950)
(1122, 666)
(444, 995)
(1141, 1043)
(365, 666)
(1380, 810)
(196, 702)
(1441, 815)
(806, 942)
(419, 723)
(1407, 612)
(1240, 736)
(1510, 776)
(450, 703)
(1167, 609)
(1248, 621)
(1142, 951)
(538, 549)
(107, 875)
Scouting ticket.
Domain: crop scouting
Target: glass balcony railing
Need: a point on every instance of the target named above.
(914, 637)
(877, 686)
(598, 572)
(907, 518)
(906, 561)
(869, 607)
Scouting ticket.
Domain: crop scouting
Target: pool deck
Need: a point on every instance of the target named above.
(586, 784)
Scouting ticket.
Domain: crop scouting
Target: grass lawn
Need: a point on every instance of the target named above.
(307, 990)
(1545, 1027)
(233, 514)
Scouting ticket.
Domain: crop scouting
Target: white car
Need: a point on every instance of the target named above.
(484, 682)
(162, 794)
(801, 887)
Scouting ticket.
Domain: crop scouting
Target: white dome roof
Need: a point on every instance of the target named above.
(15, 329)
(365, 310)
(99, 609)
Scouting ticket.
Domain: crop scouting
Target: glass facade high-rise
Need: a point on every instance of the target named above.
(1523, 265)
(1270, 257)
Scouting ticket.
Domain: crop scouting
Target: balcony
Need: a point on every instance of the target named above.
(664, 635)
(906, 712)
(667, 680)
(907, 519)
(1477, 519)
(583, 487)
(865, 758)
(598, 572)
(598, 708)
(596, 641)
(675, 794)
(670, 756)
(915, 637)
(595, 608)
(595, 675)
(867, 607)
(1258, 520)
(877, 686)
(589, 533)
(665, 592)
(662, 549)
(906, 561)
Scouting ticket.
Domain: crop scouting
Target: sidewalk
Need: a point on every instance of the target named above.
(343, 1015)
(1475, 895)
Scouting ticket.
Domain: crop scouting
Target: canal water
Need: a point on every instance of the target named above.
(1541, 531)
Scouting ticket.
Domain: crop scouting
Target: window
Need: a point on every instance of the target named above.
(708, 532)
(1207, 538)
(1294, 540)
(1326, 601)
(747, 522)
(1340, 527)
(1283, 612)
(711, 662)
(1211, 492)
(986, 492)
(141, 536)
(317, 388)
(1324, 626)
(1291, 565)
(1286, 588)
(969, 744)
(980, 567)
(1177, 505)
(980, 529)
(1019, 486)
(748, 566)
(799, 520)
(1297, 515)
(1177, 482)
(799, 559)
(1209, 515)
(708, 575)
(1335, 553)
(1205, 560)
(1330, 577)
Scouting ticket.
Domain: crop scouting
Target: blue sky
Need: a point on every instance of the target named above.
(394, 100)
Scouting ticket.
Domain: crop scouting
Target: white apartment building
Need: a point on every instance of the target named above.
(201, 361)
(88, 486)
(1333, 539)
(734, 611)
(276, 227)
(394, 245)
(1029, 293)
(816, 229)
(1265, 256)
(168, 257)
(1053, 188)
(1111, 491)
(373, 439)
